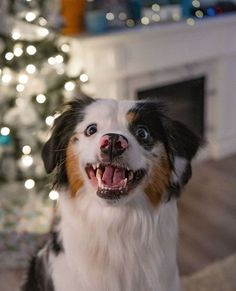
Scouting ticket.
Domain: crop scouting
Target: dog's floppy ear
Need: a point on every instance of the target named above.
(54, 150)
(182, 145)
(50, 151)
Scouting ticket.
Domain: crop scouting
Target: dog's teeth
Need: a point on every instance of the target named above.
(97, 165)
(130, 175)
(128, 168)
(94, 167)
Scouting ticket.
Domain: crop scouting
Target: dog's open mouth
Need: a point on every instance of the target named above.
(112, 181)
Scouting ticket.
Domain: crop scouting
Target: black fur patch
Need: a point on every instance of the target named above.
(55, 243)
(148, 115)
(37, 278)
(54, 151)
(178, 140)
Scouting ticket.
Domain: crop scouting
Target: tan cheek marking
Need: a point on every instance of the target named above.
(72, 168)
(131, 117)
(160, 177)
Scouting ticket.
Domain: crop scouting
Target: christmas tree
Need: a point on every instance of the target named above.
(34, 80)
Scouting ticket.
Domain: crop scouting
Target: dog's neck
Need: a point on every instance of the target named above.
(133, 245)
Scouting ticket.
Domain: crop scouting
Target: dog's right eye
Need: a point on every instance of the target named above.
(91, 129)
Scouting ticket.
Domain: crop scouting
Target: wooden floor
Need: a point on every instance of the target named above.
(207, 215)
(207, 218)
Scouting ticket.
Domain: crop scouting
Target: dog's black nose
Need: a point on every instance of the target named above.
(113, 145)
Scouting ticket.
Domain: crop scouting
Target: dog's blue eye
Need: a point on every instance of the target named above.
(91, 129)
(142, 133)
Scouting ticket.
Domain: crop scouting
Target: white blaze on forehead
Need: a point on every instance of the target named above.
(107, 114)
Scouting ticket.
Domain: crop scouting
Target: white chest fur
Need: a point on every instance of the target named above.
(125, 248)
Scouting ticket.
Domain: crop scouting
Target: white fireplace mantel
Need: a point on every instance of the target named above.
(120, 63)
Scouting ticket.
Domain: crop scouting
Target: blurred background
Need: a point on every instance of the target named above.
(179, 51)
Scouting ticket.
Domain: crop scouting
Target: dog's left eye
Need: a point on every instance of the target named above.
(142, 133)
(91, 129)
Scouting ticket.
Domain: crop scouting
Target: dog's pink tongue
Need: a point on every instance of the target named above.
(112, 176)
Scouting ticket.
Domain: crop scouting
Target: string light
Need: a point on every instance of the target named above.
(27, 161)
(30, 69)
(156, 7)
(59, 59)
(30, 16)
(29, 184)
(190, 21)
(49, 120)
(5, 131)
(52, 61)
(20, 88)
(176, 16)
(43, 32)
(156, 17)
(6, 78)
(199, 14)
(122, 16)
(42, 21)
(130, 23)
(9, 56)
(65, 47)
(196, 3)
(23, 79)
(16, 35)
(53, 195)
(40, 98)
(18, 51)
(26, 150)
(83, 78)
(31, 50)
(110, 16)
(145, 20)
(69, 86)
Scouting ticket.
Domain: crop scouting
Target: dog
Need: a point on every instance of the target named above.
(119, 167)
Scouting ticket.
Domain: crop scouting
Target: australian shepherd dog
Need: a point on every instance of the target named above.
(119, 167)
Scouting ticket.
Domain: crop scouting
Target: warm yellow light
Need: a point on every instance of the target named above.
(9, 56)
(5, 131)
(30, 16)
(53, 195)
(52, 61)
(156, 7)
(23, 79)
(27, 161)
(196, 3)
(49, 120)
(59, 59)
(18, 51)
(30, 69)
(145, 20)
(20, 88)
(26, 150)
(83, 78)
(16, 35)
(69, 86)
(31, 50)
(156, 17)
(199, 14)
(190, 21)
(65, 47)
(6, 78)
(110, 16)
(130, 23)
(40, 98)
(29, 184)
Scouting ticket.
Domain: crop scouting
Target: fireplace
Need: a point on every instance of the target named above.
(185, 101)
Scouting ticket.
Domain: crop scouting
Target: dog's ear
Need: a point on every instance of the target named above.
(182, 145)
(51, 150)
(54, 150)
